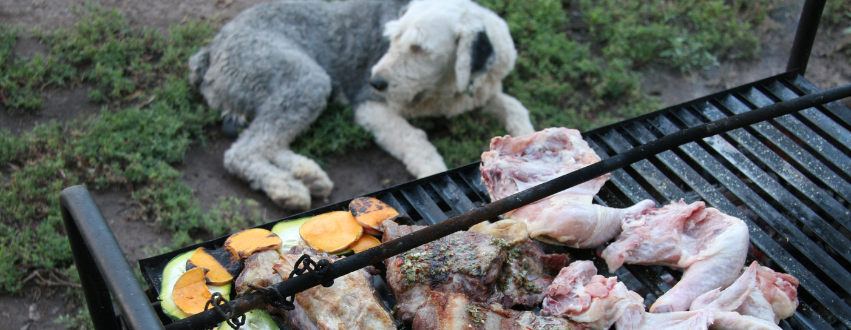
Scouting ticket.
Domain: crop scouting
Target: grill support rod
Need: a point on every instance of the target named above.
(805, 36)
(496, 208)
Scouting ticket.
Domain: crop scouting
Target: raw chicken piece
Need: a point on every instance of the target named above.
(581, 295)
(708, 245)
(779, 290)
(747, 295)
(514, 164)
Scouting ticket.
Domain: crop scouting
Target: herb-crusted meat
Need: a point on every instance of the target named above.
(464, 262)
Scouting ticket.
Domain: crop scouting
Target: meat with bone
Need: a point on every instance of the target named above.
(599, 302)
(447, 311)
(686, 237)
(514, 164)
(506, 268)
(581, 295)
(464, 262)
(779, 290)
(527, 270)
(746, 297)
(351, 303)
(259, 271)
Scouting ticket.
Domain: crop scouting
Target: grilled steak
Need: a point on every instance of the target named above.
(484, 267)
(446, 311)
(464, 262)
(351, 303)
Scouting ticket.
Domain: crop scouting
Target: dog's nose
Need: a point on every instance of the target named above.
(378, 83)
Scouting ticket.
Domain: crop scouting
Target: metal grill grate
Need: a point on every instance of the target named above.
(789, 179)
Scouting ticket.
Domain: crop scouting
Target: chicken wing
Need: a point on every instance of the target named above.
(514, 164)
(686, 237)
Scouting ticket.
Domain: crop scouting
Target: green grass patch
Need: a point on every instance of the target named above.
(594, 82)
(126, 146)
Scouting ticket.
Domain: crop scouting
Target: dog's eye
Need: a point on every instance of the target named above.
(416, 49)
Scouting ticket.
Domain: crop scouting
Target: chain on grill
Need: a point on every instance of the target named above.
(302, 266)
(220, 304)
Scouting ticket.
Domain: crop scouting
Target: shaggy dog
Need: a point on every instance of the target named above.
(277, 64)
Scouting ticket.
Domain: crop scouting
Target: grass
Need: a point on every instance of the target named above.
(586, 84)
(580, 71)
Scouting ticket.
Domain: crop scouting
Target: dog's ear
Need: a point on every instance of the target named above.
(475, 55)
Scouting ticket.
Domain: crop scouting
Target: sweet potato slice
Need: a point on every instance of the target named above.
(363, 243)
(331, 232)
(371, 212)
(229, 259)
(190, 291)
(217, 274)
(248, 241)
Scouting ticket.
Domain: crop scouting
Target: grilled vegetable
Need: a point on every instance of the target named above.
(370, 212)
(172, 272)
(190, 291)
(288, 232)
(248, 241)
(331, 232)
(365, 242)
(254, 320)
(216, 274)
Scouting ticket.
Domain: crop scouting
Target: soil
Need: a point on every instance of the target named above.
(356, 173)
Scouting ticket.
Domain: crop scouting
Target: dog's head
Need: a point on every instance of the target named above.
(440, 46)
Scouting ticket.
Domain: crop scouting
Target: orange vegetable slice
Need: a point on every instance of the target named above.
(253, 240)
(331, 232)
(370, 212)
(190, 291)
(364, 242)
(217, 274)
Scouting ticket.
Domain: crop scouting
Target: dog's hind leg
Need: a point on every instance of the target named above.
(291, 93)
(511, 113)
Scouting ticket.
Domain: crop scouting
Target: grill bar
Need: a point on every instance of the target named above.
(780, 176)
(425, 202)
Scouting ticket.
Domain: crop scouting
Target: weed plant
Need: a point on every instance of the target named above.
(151, 116)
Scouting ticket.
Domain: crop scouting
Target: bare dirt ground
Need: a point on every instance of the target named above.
(359, 172)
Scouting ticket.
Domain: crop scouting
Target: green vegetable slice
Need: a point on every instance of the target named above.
(288, 232)
(257, 319)
(172, 271)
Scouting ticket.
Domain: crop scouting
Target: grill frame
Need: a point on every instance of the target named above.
(821, 132)
(698, 170)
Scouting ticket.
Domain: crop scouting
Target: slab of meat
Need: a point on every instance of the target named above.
(351, 303)
(259, 271)
(581, 295)
(747, 297)
(708, 245)
(527, 270)
(464, 262)
(779, 290)
(448, 311)
(514, 164)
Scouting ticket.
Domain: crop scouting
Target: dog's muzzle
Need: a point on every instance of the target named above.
(378, 83)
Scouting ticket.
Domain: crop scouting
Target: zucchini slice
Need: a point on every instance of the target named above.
(257, 319)
(172, 271)
(288, 232)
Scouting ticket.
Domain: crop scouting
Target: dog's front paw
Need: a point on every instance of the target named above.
(427, 167)
(289, 194)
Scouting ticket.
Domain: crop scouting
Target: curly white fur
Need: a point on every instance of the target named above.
(278, 63)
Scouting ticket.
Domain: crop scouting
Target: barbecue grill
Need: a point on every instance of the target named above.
(789, 178)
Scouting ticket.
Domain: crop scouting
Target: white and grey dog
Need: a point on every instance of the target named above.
(279, 63)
